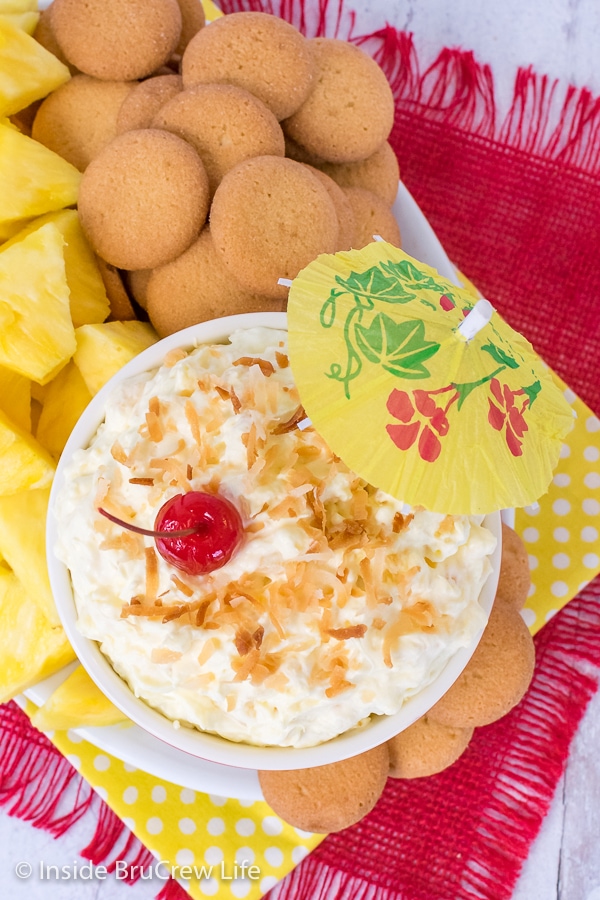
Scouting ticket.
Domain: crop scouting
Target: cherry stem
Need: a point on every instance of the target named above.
(184, 532)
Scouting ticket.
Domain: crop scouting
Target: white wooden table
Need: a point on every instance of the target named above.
(560, 38)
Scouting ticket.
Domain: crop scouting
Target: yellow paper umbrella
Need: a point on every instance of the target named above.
(422, 391)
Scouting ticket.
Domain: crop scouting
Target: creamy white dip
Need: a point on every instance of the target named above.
(335, 607)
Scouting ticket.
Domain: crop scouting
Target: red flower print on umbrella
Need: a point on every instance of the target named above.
(506, 410)
(420, 417)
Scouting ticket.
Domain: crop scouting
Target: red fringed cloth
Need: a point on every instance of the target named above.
(516, 202)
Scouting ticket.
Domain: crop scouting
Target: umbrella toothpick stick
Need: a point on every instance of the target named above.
(479, 316)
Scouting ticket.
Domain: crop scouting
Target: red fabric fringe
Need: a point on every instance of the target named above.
(515, 200)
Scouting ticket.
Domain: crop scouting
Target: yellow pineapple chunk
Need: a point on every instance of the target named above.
(104, 349)
(65, 399)
(24, 464)
(15, 397)
(36, 333)
(30, 647)
(33, 180)
(17, 6)
(76, 702)
(88, 301)
(25, 21)
(23, 545)
(28, 71)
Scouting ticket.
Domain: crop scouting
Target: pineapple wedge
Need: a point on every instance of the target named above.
(18, 6)
(23, 545)
(30, 647)
(88, 301)
(66, 397)
(76, 702)
(36, 333)
(24, 464)
(33, 180)
(104, 349)
(27, 71)
(15, 397)
(25, 21)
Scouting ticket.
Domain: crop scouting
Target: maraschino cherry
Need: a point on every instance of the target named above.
(195, 532)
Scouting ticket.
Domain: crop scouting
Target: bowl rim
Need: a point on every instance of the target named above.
(191, 740)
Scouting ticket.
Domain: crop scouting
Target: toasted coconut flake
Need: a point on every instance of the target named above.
(189, 472)
(164, 655)
(282, 359)
(266, 367)
(231, 702)
(249, 439)
(151, 573)
(207, 651)
(248, 662)
(182, 586)
(292, 423)
(257, 636)
(404, 624)
(243, 642)
(147, 481)
(173, 356)
(352, 631)
(130, 543)
(423, 614)
(193, 419)
(338, 688)
(175, 612)
(446, 526)
(201, 613)
(117, 453)
(360, 505)
(155, 432)
(401, 522)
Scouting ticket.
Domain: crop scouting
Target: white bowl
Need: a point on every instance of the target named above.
(192, 741)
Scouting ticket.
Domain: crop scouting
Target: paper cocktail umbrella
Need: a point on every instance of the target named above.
(439, 405)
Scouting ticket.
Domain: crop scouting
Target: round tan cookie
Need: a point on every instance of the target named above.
(192, 20)
(145, 100)
(269, 218)
(45, 36)
(515, 576)
(425, 748)
(298, 153)
(496, 676)
(372, 216)
(255, 51)
(378, 173)
(225, 124)
(137, 283)
(343, 208)
(350, 112)
(197, 287)
(144, 199)
(117, 40)
(328, 798)
(79, 119)
(121, 309)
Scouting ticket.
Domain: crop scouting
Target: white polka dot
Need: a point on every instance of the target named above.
(591, 507)
(533, 562)
(101, 762)
(562, 535)
(129, 768)
(187, 826)
(303, 834)
(592, 454)
(531, 535)
(533, 510)
(592, 424)
(245, 827)
(159, 793)
(154, 825)
(531, 590)
(244, 855)
(73, 736)
(187, 796)
(565, 451)
(569, 395)
(215, 826)
(74, 760)
(184, 857)
(246, 803)
(562, 479)
(589, 534)
(528, 616)
(130, 794)
(213, 856)
(559, 589)
(240, 887)
(274, 856)
(208, 886)
(298, 854)
(267, 883)
(592, 480)
(561, 507)
(591, 560)
(550, 614)
(127, 820)
(102, 792)
(561, 561)
(216, 800)
(272, 825)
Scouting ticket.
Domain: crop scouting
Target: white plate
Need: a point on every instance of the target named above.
(136, 747)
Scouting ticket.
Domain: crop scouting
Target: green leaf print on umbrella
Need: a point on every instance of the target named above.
(400, 347)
